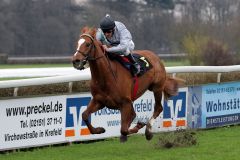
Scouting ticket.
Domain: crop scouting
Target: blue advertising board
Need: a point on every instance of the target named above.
(220, 104)
(214, 105)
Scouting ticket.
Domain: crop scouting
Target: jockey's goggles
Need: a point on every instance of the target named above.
(107, 31)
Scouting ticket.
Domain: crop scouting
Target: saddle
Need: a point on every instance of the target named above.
(145, 65)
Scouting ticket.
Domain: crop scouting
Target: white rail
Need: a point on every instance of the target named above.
(79, 76)
(198, 69)
(70, 75)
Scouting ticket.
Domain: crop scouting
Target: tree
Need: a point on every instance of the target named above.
(165, 4)
(7, 37)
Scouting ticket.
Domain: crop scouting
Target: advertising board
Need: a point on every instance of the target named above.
(27, 122)
(220, 104)
(109, 119)
(32, 121)
(214, 105)
(174, 115)
(38, 121)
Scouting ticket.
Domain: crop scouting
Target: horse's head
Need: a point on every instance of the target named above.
(85, 48)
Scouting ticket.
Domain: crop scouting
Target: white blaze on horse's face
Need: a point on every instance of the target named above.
(80, 42)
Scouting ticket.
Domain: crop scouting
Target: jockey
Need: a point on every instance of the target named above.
(116, 38)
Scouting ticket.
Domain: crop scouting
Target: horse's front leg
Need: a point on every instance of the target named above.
(93, 106)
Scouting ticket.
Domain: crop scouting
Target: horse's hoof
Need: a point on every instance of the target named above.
(123, 138)
(148, 135)
(100, 130)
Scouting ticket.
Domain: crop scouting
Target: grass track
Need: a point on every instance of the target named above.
(14, 66)
(217, 144)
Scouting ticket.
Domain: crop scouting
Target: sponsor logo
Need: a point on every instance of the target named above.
(174, 111)
(75, 126)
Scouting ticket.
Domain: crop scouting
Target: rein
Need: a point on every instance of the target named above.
(86, 54)
(109, 64)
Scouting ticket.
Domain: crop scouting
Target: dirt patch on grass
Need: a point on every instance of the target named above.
(179, 138)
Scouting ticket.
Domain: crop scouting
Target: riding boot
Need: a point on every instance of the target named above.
(136, 66)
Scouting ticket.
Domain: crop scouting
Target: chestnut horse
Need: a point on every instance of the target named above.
(111, 84)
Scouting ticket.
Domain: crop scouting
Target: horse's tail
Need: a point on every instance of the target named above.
(171, 86)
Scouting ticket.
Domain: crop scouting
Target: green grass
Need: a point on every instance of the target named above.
(6, 66)
(218, 144)
(15, 78)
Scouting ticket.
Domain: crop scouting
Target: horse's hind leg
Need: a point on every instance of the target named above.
(92, 107)
(157, 110)
(137, 127)
(127, 116)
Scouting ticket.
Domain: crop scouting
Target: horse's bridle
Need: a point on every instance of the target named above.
(79, 64)
(86, 54)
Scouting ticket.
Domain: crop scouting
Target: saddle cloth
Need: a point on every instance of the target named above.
(145, 65)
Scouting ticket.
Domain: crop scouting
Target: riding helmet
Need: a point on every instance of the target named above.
(107, 23)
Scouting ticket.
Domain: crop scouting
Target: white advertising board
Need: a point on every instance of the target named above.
(32, 121)
(27, 122)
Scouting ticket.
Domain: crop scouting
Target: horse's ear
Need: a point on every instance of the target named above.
(84, 29)
(93, 32)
